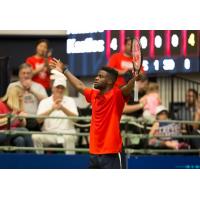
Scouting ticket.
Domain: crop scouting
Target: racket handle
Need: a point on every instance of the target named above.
(136, 91)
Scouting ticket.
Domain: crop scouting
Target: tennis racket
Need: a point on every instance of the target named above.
(137, 63)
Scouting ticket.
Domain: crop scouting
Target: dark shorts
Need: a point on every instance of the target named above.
(107, 161)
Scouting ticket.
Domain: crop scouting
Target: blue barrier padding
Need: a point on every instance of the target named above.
(61, 161)
(164, 162)
(53, 161)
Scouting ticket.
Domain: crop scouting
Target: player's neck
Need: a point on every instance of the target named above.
(107, 89)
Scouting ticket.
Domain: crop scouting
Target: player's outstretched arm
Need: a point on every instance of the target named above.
(58, 65)
(128, 88)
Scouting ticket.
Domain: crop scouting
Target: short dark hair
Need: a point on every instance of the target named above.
(112, 72)
(41, 41)
(194, 92)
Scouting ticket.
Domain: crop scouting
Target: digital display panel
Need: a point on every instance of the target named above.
(164, 51)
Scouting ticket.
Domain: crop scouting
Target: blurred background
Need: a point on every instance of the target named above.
(171, 57)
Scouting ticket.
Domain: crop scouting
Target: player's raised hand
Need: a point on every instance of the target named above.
(138, 77)
(57, 64)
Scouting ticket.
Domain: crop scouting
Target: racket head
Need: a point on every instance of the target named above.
(137, 55)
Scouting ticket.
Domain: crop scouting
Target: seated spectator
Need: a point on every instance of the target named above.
(187, 112)
(150, 101)
(57, 105)
(165, 129)
(11, 103)
(197, 115)
(133, 108)
(40, 64)
(195, 142)
(33, 93)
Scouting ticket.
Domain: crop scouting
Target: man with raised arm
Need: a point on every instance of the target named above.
(107, 107)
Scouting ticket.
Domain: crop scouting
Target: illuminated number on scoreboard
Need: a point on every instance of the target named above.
(168, 64)
(145, 64)
(156, 65)
(113, 44)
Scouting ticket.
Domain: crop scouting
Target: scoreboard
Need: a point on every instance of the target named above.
(164, 51)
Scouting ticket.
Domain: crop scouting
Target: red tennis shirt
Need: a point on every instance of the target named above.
(119, 61)
(42, 77)
(105, 136)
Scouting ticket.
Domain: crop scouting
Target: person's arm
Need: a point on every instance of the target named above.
(3, 121)
(79, 85)
(154, 141)
(68, 112)
(38, 95)
(22, 120)
(46, 113)
(154, 128)
(132, 108)
(38, 70)
(28, 85)
(128, 88)
(196, 119)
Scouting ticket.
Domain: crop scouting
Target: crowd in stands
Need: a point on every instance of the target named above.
(35, 93)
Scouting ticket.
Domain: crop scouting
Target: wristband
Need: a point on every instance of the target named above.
(66, 69)
(141, 105)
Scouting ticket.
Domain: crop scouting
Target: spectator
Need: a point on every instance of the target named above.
(160, 128)
(150, 101)
(40, 64)
(57, 105)
(123, 62)
(187, 112)
(197, 115)
(33, 93)
(195, 142)
(11, 103)
(133, 108)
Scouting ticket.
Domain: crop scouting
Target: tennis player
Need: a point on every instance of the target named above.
(107, 106)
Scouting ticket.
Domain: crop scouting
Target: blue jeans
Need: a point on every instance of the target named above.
(16, 140)
(3, 139)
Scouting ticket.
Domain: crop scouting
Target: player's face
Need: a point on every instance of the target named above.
(25, 74)
(101, 80)
(128, 47)
(42, 49)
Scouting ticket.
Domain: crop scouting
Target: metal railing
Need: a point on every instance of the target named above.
(125, 135)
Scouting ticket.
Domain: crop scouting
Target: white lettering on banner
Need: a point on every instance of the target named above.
(126, 65)
(169, 130)
(86, 46)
